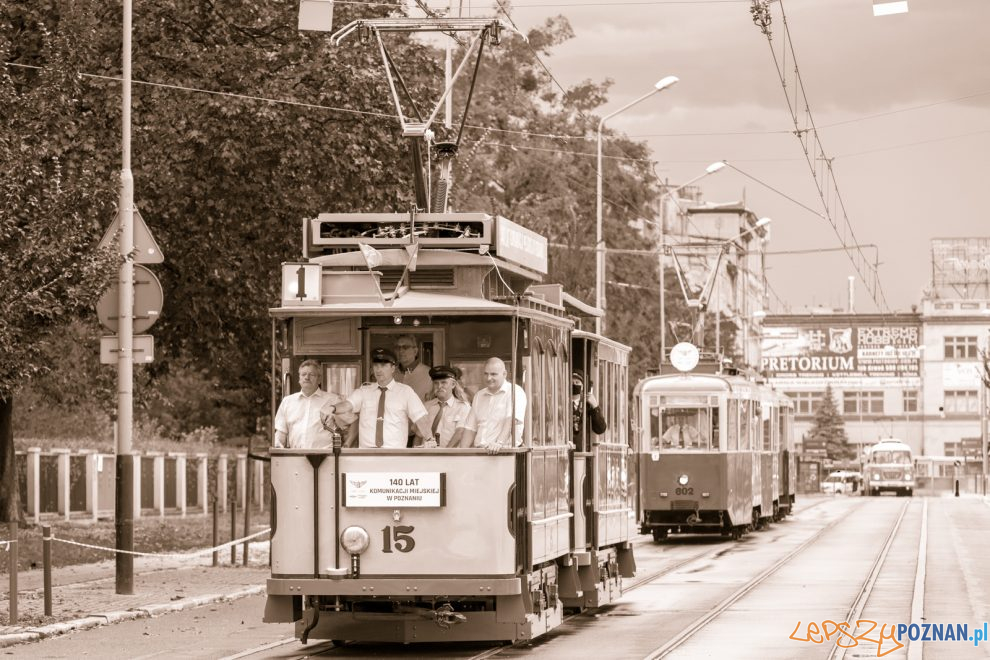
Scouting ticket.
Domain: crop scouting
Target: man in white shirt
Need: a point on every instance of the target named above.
(410, 371)
(386, 407)
(446, 413)
(497, 412)
(298, 422)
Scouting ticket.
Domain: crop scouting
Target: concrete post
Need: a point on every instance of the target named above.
(203, 482)
(92, 485)
(222, 482)
(180, 483)
(159, 483)
(136, 490)
(62, 458)
(241, 481)
(34, 483)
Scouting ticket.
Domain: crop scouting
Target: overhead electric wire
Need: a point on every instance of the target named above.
(829, 194)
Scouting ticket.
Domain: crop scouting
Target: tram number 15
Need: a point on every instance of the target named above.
(398, 537)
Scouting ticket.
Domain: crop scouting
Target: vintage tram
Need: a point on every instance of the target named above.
(715, 453)
(445, 544)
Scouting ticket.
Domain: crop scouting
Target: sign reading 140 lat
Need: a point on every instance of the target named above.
(395, 489)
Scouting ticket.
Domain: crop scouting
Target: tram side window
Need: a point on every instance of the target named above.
(745, 411)
(732, 425)
(767, 427)
(715, 439)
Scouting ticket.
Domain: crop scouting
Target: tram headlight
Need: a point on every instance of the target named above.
(875, 476)
(355, 539)
(683, 480)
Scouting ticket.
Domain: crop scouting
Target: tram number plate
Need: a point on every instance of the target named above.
(398, 537)
(684, 491)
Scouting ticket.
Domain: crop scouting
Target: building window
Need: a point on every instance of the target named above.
(961, 402)
(806, 403)
(910, 399)
(862, 403)
(960, 348)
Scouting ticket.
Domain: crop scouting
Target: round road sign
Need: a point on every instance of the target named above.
(148, 298)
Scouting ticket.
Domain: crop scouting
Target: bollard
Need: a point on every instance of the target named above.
(46, 562)
(12, 557)
(247, 502)
(957, 488)
(216, 533)
(233, 528)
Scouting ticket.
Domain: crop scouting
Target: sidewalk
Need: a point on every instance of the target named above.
(85, 596)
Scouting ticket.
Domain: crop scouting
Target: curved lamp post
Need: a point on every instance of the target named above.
(599, 240)
(711, 169)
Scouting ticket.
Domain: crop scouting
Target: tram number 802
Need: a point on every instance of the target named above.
(398, 537)
(684, 491)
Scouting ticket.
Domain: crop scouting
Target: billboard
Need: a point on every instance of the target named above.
(841, 350)
(960, 261)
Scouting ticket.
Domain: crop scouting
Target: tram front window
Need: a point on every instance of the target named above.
(685, 429)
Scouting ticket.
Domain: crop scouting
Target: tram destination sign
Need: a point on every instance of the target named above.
(395, 489)
(841, 350)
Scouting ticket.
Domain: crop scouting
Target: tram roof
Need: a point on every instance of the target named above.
(411, 302)
(695, 382)
(426, 257)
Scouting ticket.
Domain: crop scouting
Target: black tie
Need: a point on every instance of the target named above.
(380, 422)
(436, 421)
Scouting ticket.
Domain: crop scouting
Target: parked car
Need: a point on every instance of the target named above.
(843, 481)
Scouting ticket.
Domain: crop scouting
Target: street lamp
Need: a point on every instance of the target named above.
(662, 257)
(599, 240)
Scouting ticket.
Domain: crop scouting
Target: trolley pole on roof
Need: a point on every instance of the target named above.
(123, 501)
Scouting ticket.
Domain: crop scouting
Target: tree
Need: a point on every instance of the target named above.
(51, 209)
(829, 431)
(225, 179)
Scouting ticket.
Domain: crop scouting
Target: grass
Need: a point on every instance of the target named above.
(155, 535)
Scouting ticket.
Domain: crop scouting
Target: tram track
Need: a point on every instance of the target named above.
(838, 652)
(700, 623)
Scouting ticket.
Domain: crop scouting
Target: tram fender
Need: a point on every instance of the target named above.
(626, 560)
(568, 581)
(282, 609)
(510, 609)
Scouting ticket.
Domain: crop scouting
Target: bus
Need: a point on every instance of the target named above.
(889, 466)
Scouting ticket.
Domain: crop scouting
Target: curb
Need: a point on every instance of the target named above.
(97, 620)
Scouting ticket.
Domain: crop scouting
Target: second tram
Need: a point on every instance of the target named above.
(715, 454)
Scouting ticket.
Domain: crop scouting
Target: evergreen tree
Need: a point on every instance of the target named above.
(829, 430)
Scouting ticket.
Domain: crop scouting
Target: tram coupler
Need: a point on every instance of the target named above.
(312, 617)
(445, 616)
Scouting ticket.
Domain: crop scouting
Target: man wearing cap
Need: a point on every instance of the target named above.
(447, 414)
(584, 407)
(410, 370)
(386, 407)
(299, 422)
(497, 412)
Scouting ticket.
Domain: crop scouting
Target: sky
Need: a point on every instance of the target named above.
(902, 106)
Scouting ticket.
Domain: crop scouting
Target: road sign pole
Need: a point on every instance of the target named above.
(124, 515)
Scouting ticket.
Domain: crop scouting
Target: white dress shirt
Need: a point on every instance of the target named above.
(491, 412)
(455, 415)
(298, 417)
(401, 406)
